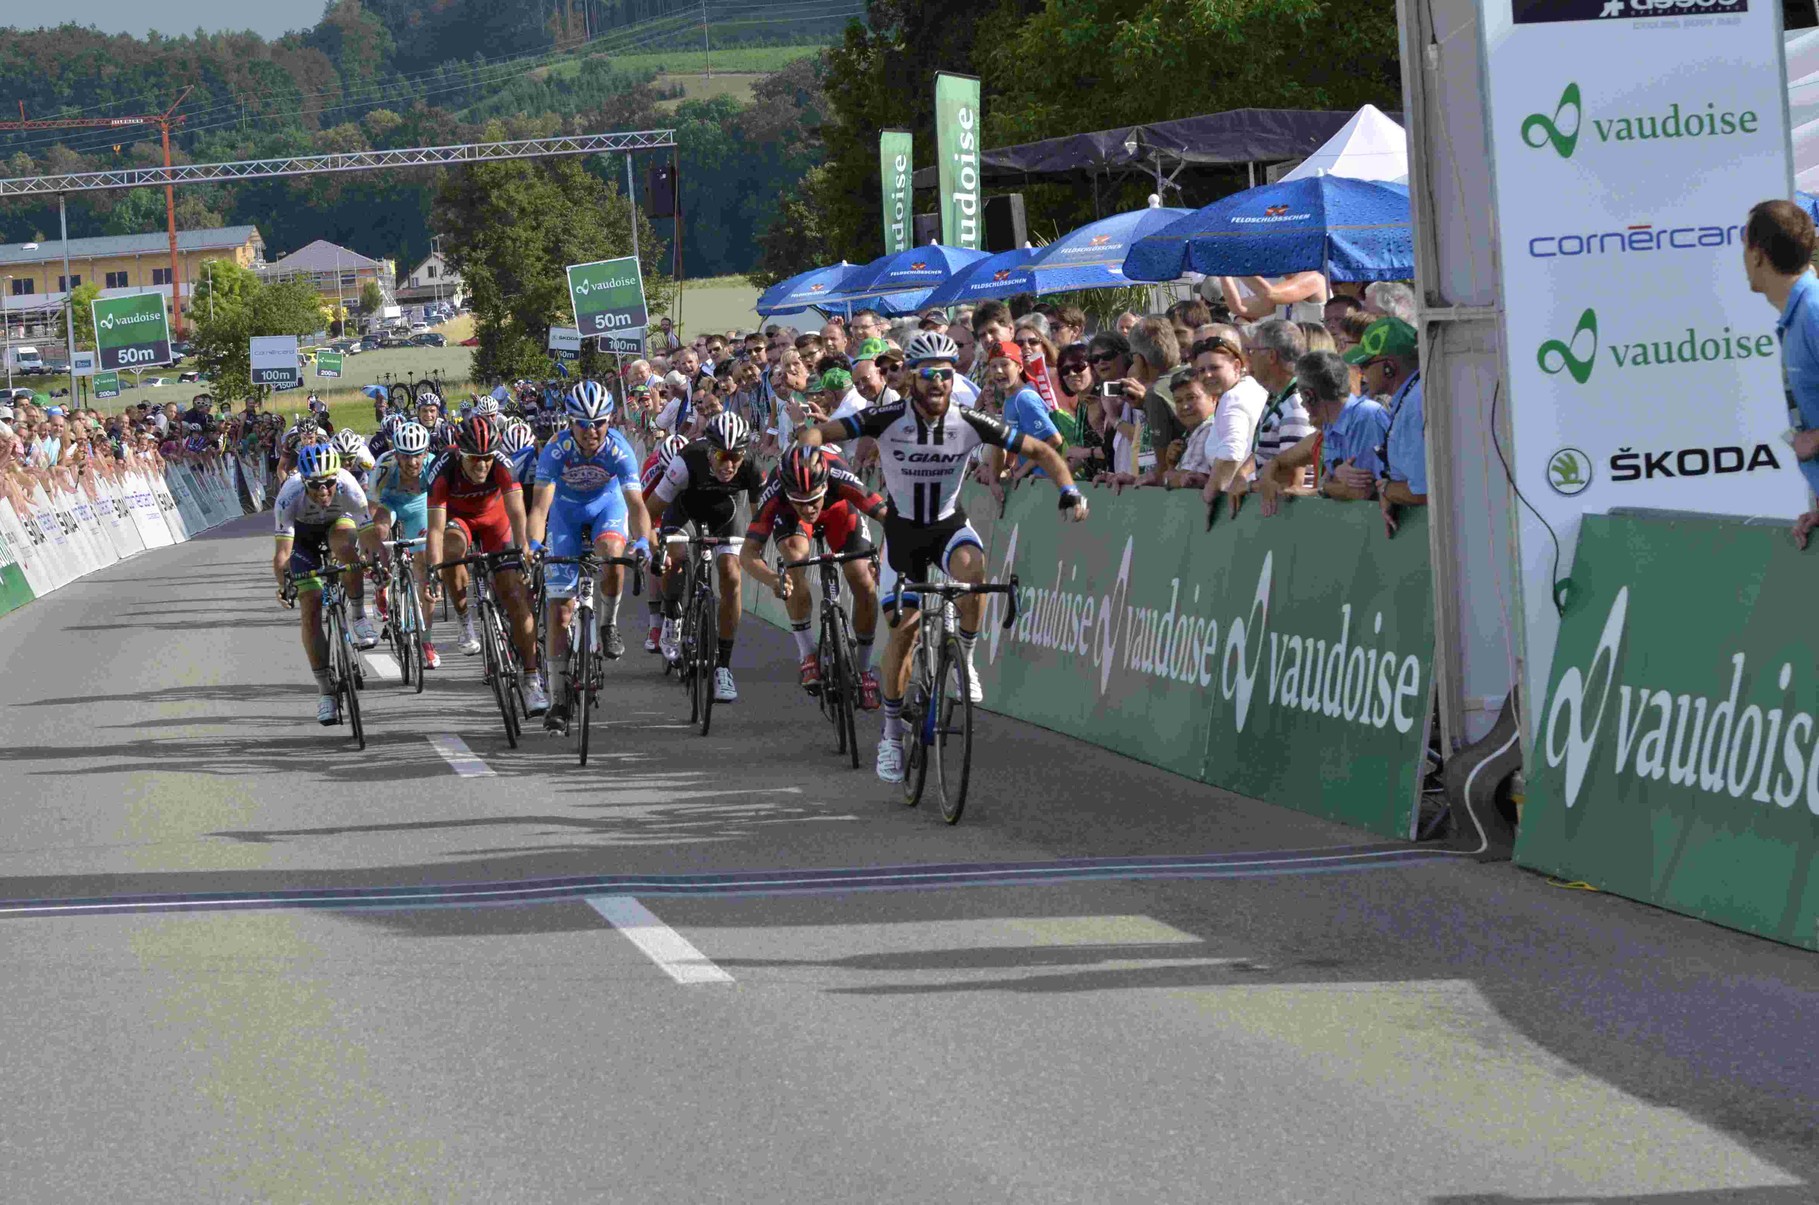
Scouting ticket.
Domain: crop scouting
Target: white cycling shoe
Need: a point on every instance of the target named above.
(890, 759)
(975, 688)
(670, 641)
(469, 646)
(724, 690)
(327, 710)
(365, 637)
(536, 702)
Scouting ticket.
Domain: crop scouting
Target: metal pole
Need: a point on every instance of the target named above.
(706, 62)
(170, 219)
(7, 322)
(69, 310)
(631, 196)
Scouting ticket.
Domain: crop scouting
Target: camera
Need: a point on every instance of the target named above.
(1110, 389)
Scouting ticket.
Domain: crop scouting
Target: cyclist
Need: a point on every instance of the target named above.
(924, 445)
(356, 457)
(475, 504)
(399, 501)
(702, 484)
(316, 513)
(441, 432)
(587, 479)
(655, 466)
(519, 447)
(795, 507)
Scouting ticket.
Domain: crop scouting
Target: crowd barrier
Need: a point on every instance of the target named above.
(54, 535)
(1288, 659)
(1675, 760)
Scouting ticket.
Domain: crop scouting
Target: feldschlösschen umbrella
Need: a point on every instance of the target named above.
(1002, 275)
(1348, 229)
(900, 282)
(1092, 257)
(803, 290)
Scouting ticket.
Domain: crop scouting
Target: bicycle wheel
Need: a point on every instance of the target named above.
(581, 657)
(848, 694)
(825, 696)
(342, 655)
(400, 625)
(495, 671)
(918, 702)
(707, 628)
(685, 668)
(952, 751)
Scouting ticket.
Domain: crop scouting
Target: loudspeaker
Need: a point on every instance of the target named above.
(662, 200)
(1005, 228)
(928, 229)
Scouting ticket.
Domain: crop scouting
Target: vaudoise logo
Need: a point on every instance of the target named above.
(1567, 124)
(1577, 354)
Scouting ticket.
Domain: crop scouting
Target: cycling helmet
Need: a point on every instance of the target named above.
(488, 406)
(350, 442)
(931, 345)
(727, 432)
(393, 420)
(517, 437)
(803, 473)
(589, 402)
(670, 446)
(412, 439)
(426, 398)
(478, 436)
(467, 410)
(317, 461)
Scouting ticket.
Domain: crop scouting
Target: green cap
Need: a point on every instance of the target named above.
(871, 349)
(835, 378)
(1385, 337)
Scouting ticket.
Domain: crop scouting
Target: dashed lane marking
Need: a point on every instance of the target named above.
(384, 666)
(463, 760)
(671, 951)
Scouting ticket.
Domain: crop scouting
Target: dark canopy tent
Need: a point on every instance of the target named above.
(1161, 149)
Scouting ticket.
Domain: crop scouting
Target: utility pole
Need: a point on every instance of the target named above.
(706, 62)
(69, 294)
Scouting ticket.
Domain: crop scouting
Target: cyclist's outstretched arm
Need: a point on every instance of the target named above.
(637, 518)
(1052, 463)
(537, 526)
(514, 514)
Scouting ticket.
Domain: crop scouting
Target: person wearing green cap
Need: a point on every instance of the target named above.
(1388, 358)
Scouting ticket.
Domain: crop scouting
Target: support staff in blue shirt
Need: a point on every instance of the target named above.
(1778, 244)
(1389, 362)
(1351, 432)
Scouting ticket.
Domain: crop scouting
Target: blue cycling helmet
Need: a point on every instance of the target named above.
(589, 402)
(318, 461)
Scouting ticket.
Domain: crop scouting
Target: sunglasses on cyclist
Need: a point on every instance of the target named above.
(467, 459)
(581, 424)
(327, 483)
(935, 374)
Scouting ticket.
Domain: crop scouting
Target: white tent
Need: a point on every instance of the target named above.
(1369, 147)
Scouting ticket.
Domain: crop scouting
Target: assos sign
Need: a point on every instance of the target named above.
(274, 362)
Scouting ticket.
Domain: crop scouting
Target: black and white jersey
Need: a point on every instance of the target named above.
(925, 462)
(691, 473)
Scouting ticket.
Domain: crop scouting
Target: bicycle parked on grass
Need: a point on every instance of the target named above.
(404, 624)
(346, 678)
(838, 694)
(587, 660)
(502, 671)
(938, 708)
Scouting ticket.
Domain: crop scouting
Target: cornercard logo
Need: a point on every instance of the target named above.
(1541, 12)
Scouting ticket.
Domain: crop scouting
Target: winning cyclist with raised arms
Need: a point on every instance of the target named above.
(924, 445)
(587, 478)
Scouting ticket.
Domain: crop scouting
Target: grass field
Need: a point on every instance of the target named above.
(701, 87)
(758, 60)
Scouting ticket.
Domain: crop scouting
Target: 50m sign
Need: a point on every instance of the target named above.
(132, 331)
(608, 296)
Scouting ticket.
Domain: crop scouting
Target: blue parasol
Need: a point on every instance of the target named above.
(1092, 257)
(1001, 275)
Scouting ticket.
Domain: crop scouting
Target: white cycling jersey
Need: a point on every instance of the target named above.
(925, 463)
(295, 506)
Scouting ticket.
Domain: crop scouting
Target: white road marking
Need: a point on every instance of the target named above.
(667, 948)
(463, 760)
(383, 665)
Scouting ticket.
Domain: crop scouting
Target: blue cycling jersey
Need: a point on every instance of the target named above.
(582, 479)
(524, 465)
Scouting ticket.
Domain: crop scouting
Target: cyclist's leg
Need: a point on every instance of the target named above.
(793, 546)
(562, 538)
(493, 533)
(846, 533)
(611, 525)
(346, 544)
(901, 547)
(307, 554)
(965, 562)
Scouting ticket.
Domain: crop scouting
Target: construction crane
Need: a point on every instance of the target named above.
(164, 121)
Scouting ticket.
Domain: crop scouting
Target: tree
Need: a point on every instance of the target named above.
(230, 307)
(511, 229)
(371, 297)
(80, 299)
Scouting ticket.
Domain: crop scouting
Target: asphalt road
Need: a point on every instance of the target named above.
(736, 970)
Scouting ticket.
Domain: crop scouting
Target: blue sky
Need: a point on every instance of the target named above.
(268, 17)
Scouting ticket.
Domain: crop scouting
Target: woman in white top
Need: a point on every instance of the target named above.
(1299, 296)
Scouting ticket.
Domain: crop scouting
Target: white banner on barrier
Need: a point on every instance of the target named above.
(119, 526)
(79, 520)
(56, 548)
(96, 517)
(28, 544)
(253, 475)
(148, 510)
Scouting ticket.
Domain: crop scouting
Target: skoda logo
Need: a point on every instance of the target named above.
(1569, 472)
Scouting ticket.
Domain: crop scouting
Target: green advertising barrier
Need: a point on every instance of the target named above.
(14, 590)
(1288, 659)
(1675, 761)
(131, 331)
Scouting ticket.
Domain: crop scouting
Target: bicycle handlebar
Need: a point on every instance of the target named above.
(491, 560)
(957, 590)
(588, 562)
(828, 558)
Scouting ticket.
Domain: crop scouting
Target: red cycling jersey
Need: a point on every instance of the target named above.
(476, 507)
(838, 520)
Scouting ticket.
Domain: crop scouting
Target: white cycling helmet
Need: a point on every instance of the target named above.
(518, 436)
(931, 345)
(350, 442)
(412, 439)
(488, 406)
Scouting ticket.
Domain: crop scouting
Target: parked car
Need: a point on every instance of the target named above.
(471, 341)
(419, 328)
(185, 378)
(181, 348)
(429, 339)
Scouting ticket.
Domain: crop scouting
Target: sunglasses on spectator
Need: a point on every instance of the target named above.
(1032, 341)
(935, 374)
(1104, 357)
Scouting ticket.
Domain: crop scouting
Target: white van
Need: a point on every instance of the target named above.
(24, 360)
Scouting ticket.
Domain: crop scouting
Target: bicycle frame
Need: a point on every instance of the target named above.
(345, 675)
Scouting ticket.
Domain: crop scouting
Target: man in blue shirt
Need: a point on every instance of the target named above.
(1350, 434)
(1778, 244)
(1388, 358)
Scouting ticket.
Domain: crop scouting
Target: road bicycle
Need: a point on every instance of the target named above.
(938, 707)
(839, 691)
(404, 619)
(502, 671)
(345, 676)
(587, 660)
(700, 627)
